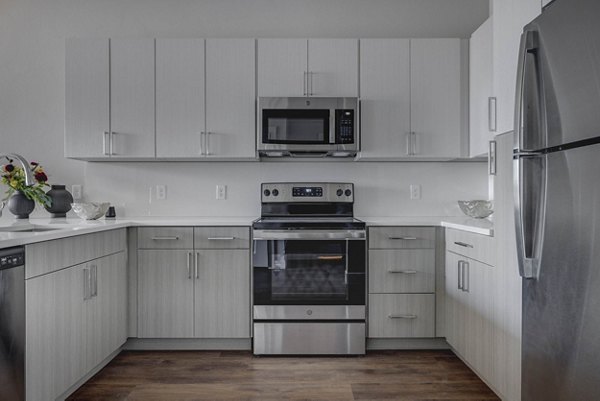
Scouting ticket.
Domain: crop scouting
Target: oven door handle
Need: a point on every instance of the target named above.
(317, 235)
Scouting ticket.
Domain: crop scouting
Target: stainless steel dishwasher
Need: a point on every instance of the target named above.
(12, 324)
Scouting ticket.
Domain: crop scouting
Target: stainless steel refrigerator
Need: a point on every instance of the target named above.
(557, 201)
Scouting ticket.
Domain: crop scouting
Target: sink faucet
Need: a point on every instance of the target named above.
(29, 179)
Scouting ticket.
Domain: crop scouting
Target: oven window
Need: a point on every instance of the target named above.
(302, 272)
(295, 126)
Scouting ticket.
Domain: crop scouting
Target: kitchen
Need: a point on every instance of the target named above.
(156, 108)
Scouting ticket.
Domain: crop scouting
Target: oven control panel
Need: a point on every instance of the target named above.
(277, 192)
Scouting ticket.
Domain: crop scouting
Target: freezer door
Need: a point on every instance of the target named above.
(561, 308)
(558, 88)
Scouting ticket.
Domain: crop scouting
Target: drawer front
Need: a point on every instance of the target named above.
(46, 257)
(402, 237)
(475, 246)
(166, 238)
(401, 315)
(222, 237)
(401, 271)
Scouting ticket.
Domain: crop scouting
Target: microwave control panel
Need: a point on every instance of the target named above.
(344, 126)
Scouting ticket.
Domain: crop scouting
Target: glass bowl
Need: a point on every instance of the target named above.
(90, 210)
(478, 209)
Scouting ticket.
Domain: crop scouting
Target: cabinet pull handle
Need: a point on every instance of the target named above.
(105, 142)
(112, 143)
(492, 114)
(87, 284)
(403, 316)
(196, 262)
(94, 274)
(403, 238)
(465, 280)
(460, 275)
(409, 144)
(221, 238)
(463, 244)
(207, 135)
(202, 143)
(174, 238)
(311, 83)
(305, 84)
(492, 158)
(189, 265)
(403, 271)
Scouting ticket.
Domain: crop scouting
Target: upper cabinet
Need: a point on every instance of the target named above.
(308, 67)
(413, 98)
(131, 98)
(482, 119)
(508, 19)
(199, 85)
(169, 98)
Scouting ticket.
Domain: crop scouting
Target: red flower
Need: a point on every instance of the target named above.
(41, 177)
(34, 163)
(9, 168)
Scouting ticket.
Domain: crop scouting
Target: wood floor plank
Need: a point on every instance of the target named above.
(214, 375)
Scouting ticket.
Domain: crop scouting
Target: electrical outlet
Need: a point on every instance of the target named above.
(415, 191)
(161, 192)
(77, 192)
(221, 192)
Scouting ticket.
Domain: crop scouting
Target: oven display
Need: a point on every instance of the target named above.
(307, 191)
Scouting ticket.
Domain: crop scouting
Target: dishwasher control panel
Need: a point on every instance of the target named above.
(12, 257)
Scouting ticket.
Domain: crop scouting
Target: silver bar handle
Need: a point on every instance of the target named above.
(105, 142)
(402, 316)
(87, 284)
(305, 83)
(170, 238)
(221, 238)
(189, 265)
(403, 238)
(460, 275)
(196, 263)
(415, 149)
(466, 277)
(492, 114)
(402, 271)
(492, 160)
(463, 244)
(112, 143)
(202, 143)
(207, 151)
(94, 274)
(409, 144)
(311, 76)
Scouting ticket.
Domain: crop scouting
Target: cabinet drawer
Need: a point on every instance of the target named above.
(475, 246)
(222, 237)
(401, 315)
(46, 257)
(402, 270)
(401, 237)
(165, 237)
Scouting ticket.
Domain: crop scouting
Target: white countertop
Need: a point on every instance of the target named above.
(51, 229)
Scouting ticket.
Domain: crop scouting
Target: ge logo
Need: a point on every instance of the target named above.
(309, 312)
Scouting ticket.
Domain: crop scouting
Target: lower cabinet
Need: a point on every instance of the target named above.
(194, 292)
(401, 315)
(76, 317)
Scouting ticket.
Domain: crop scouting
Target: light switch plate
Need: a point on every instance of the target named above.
(161, 192)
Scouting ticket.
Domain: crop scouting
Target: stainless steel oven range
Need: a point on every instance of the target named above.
(309, 271)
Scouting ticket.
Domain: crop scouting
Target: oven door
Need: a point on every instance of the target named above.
(309, 271)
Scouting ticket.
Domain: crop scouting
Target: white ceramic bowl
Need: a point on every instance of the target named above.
(478, 209)
(90, 210)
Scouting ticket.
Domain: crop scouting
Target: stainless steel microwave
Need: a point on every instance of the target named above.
(308, 127)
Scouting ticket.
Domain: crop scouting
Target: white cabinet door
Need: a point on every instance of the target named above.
(165, 294)
(222, 294)
(481, 121)
(179, 97)
(132, 97)
(56, 337)
(86, 98)
(282, 67)
(438, 98)
(333, 67)
(509, 17)
(455, 304)
(385, 97)
(230, 88)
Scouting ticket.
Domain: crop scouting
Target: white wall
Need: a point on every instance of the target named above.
(32, 36)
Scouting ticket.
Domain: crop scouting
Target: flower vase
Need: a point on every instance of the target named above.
(20, 205)
(61, 201)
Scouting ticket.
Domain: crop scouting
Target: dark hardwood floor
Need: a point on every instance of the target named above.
(191, 375)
